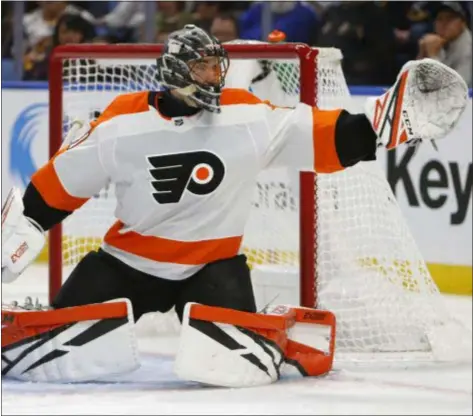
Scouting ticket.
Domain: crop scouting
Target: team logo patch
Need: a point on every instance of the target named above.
(197, 172)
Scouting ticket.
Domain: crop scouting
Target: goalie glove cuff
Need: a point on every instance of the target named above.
(23, 238)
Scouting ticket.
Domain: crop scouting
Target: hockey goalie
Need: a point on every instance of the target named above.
(183, 162)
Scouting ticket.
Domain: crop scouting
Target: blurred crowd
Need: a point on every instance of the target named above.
(375, 37)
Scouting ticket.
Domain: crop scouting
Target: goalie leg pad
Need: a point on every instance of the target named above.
(311, 342)
(74, 344)
(229, 348)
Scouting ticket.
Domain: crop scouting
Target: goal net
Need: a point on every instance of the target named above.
(340, 238)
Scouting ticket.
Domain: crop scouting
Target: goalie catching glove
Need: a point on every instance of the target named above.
(425, 103)
(22, 238)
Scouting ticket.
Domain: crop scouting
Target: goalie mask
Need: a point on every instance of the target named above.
(195, 63)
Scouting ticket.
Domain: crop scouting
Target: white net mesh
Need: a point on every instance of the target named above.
(369, 270)
(435, 96)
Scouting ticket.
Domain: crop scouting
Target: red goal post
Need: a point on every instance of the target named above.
(307, 60)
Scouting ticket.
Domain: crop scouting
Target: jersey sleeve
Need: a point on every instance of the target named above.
(300, 137)
(79, 171)
(73, 175)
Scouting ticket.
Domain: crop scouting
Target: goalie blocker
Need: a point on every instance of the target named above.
(22, 237)
(218, 346)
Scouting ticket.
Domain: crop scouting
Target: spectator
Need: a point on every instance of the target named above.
(124, 14)
(44, 19)
(70, 28)
(362, 31)
(35, 60)
(105, 39)
(171, 16)
(296, 19)
(7, 29)
(452, 42)
(123, 22)
(162, 35)
(205, 12)
(410, 21)
(225, 27)
(98, 8)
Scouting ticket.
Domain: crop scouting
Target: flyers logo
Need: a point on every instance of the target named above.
(198, 172)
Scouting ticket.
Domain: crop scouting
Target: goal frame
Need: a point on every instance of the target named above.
(307, 58)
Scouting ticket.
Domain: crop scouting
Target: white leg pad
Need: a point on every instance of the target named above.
(79, 351)
(224, 355)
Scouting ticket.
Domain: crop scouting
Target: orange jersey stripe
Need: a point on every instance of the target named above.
(50, 187)
(124, 104)
(172, 251)
(239, 96)
(325, 152)
(46, 180)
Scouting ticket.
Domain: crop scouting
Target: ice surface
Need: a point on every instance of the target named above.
(154, 389)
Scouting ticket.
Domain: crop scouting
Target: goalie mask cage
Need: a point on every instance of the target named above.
(341, 237)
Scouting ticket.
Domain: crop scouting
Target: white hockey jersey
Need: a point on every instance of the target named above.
(184, 185)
